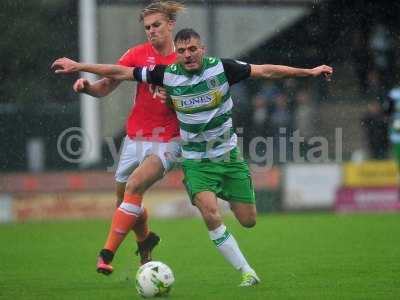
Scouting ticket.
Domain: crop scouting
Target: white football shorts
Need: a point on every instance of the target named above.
(134, 152)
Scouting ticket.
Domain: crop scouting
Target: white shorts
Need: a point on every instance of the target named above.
(134, 152)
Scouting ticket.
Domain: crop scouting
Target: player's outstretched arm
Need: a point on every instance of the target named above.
(278, 71)
(67, 66)
(99, 88)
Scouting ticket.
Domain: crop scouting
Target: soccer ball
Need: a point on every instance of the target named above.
(154, 279)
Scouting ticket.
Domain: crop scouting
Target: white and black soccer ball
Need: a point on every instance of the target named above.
(154, 279)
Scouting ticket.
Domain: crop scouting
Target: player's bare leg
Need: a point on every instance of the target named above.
(145, 175)
(119, 191)
(130, 215)
(245, 213)
(207, 203)
(146, 240)
(149, 172)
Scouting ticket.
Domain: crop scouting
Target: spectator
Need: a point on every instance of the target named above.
(260, 116)
(375, 127)
(305, 117)
(281, 120)
(382, 46)
(262, 105)
(375, 87)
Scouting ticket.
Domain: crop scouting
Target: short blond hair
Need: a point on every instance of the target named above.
(168, 8)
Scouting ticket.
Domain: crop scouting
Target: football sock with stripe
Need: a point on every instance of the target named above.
(229, 248)
(141, 227)
(124, 218)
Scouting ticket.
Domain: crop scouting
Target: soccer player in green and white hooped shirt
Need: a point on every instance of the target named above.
(199, 90)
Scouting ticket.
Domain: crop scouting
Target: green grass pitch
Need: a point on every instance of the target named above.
(297, 256)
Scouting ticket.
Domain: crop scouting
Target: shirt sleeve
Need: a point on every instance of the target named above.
(235, 70)
(128, 58)
(151, 75)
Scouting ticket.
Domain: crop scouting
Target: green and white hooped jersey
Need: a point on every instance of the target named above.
(202, 102)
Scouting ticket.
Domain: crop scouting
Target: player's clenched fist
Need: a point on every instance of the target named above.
(81, 85)
(323, 70)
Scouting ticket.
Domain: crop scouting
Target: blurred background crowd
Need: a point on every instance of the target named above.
(342, 123)
(358, 38)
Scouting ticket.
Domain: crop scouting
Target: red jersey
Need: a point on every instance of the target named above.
(149, 119)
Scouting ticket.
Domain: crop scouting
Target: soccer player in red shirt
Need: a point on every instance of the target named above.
(148, 149)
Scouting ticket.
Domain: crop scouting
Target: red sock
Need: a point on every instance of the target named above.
(141, 227)
(123, 220)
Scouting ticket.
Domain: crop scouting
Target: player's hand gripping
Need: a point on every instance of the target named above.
(81, 85)
(65, 66)
(158, 92)
(323, 70)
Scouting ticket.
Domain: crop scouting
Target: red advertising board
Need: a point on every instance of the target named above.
(367, 199)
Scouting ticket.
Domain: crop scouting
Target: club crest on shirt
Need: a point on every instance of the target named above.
(212, 82)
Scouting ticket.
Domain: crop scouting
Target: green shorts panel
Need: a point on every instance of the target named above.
(229, 180)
